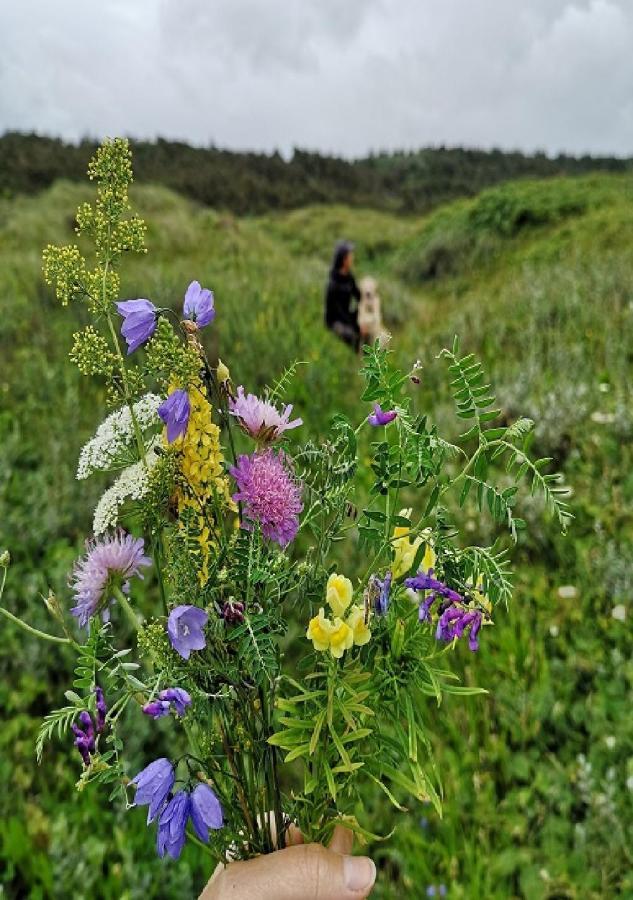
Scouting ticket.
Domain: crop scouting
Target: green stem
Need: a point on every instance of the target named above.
(127, 608)
(35, 631)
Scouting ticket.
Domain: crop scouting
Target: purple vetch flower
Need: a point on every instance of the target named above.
(101, 709)
(455, 620)
(153, 784)
(177, 698)
(172, 823)
(382, 600)
(198, 306)
(84, 736)
(184, 627)
(109, 562)
(174, 411)
(233, 612)
(380, 416)
(269, 494)
(139, 322)
(206, 811)
(259, 418)
(426, 581)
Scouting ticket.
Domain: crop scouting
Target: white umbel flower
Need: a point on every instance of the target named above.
(132, 484)
(115, 434)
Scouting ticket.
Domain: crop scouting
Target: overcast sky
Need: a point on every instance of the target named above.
(342, 76)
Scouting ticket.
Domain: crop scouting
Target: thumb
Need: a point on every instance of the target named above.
(305, 872)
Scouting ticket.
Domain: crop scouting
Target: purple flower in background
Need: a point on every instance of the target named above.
(174, 411)
(454, 621)
(109, 562)
(139, 322)
(381, 417)
(177, 698)
(259, 418)
(184, 627)
(198, 306)
(84, 736)
(206, 811)
(382, 600)
(270, 495)
(101, 709)
(153, 785)
(172, 823)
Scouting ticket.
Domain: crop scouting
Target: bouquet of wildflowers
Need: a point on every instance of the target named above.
(233, 520)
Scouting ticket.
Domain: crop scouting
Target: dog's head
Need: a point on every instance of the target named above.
(368, 287)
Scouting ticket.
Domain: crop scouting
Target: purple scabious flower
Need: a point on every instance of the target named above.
(139, 322)
(184, 627)
(153, 784)
(380, 416)
(455, 620)
(84, 736)
(206, 811)
(198, 306)
(101, 709)
(177, 698)
(259, 418)
(381, 604)
(172, 823)
(109, 562)
(269, 494)
(174, 411)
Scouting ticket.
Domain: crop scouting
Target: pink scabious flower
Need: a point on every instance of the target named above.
(108, 563)
(269, 494)
(259, 418)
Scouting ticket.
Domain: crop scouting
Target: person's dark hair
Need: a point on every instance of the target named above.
(340, 252)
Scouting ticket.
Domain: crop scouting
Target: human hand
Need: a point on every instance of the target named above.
(299, 872)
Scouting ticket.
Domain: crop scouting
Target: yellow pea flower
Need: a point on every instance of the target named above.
(481, 598)
(320, 631)
(339, 593)
(356, 621)
(341, 638)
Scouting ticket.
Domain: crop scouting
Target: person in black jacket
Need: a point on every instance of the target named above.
(342, 296)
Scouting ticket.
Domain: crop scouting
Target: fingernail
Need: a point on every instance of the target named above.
(360, 872)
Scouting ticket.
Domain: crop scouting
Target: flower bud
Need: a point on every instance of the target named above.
(53, 606)
(223, 372)
(397, 640)
(5, 559)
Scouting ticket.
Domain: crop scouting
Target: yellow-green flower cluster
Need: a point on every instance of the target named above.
(405, 550)
(91, 354)
(348, 628)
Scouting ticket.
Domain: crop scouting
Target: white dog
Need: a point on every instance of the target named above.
(369, 315)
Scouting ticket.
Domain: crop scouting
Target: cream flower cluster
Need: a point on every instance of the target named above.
(341, 634)
(132, 484)
(115, 434)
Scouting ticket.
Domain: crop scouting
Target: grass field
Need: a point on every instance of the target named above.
(535, 277)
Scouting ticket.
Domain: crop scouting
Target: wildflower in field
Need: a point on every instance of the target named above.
(132, 484)
(341, 638)
(174, 412)
(176, 698)
(206, 811)
(172, 824)
(153, 785)
(339, 592)
(84, 736)
(101, 709)
(260, 419)
(109, 562)
(453, 623)
(426, 581)
(381, 417)
(184, 627)
(405, 550)
(115, 435)
(198, 306)
(233, 612)
(139, 322)
(320, 631)
(383, 589)
(270, 495)
(360, 630)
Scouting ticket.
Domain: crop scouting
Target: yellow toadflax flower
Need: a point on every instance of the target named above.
(339, 593)
(360, 630)
(341, 638)
(320, 631)
(405, 550)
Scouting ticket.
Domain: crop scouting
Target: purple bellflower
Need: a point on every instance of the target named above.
(174, 411)
(139, 322)
(153, 784)
(380, 416)
(184, 627)
(198, 306)
(172, 823)
(206, 811)
(175, 698)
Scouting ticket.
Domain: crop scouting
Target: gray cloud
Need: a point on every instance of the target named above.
(341, 77)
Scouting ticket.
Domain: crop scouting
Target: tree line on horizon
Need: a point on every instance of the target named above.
(254, 183)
